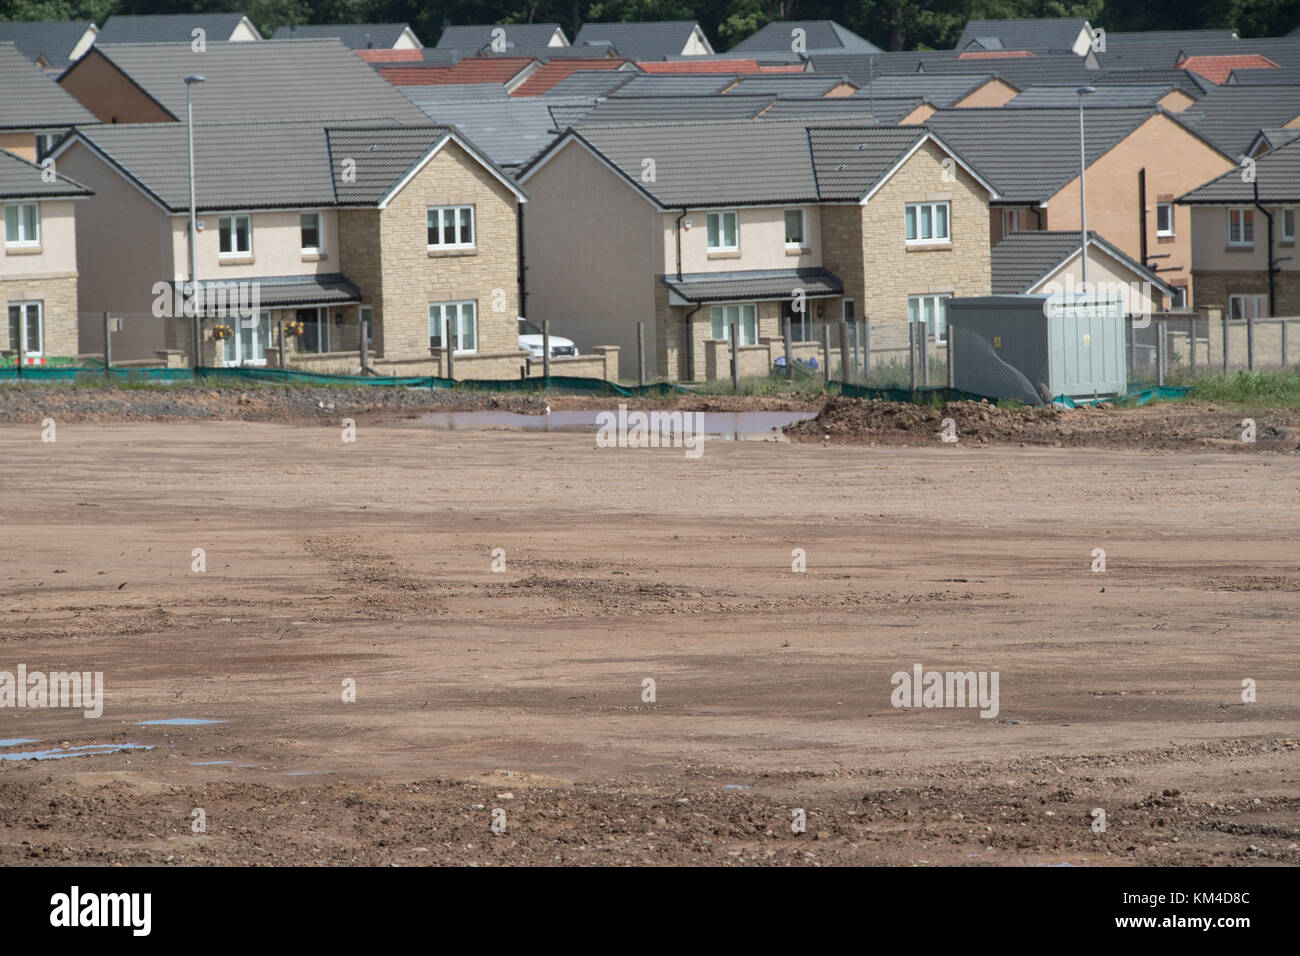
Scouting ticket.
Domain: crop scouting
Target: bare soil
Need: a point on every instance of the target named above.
(522, 690)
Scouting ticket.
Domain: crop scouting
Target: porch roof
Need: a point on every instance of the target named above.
(302, 291)
(755, 284)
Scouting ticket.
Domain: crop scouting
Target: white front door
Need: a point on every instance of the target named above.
(249, 343)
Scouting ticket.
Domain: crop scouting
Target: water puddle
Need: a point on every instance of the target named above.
(15, 741)
(725, 426)
(211, 763)
(178, 722)
(306, 773)
(85, 750)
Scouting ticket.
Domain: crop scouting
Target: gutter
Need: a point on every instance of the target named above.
(523, 268)
(1269, 265)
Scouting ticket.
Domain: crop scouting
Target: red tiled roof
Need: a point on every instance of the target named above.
(472, 69)
(1216, 68)
(992, 54)
(553, 71)
(390, 56)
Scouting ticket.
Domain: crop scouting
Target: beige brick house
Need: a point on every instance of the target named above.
(38, 267)
(690, 229)
(408, 229)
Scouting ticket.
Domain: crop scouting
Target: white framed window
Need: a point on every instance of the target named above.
(933, 309)
(723, 232)
(1164, 219)
(795, 234)
(450, 227)
(46, 142)
(1288, 224)
(744, 315)
(462, 321)
(926, 222)
(1010, 221)
(1179, 300)
(234, 236)
(251, 341)
(1249, 306)
(26, 328)
(23, 224)
(316, 332)
(1241, 227)
(309, 232)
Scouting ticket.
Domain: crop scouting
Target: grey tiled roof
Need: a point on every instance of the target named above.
(168, 27)
(292, 80)
(521, 38)
(1275, 136)
(1269, 76)
(1178, 79)
(590, 83)
(31, 100)
(457, 93)
(644, 41)
(675, 84)
(282, 292)
(565, 116)
(831, 109)
(20, 179)
(787, 84)
(52, 39)
(748, 163)
(1021, 72)
(676, 109)
(941, 89)
(1048, 33)
(1277, 174)
(1113, 94)
(820, 36)
(753, 284)
(1029, 154)
(265, 165)
(1230, 115)
(1023, 259)
(509, 131)
(354, 36)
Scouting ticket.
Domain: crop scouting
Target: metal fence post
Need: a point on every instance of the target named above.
(911, 354)
(546, 353)
(948, 354)
(108, 346)
(923, 350)
(826, 353)
(1191, 344)
(1250, 342)
(735, 357)
(866, 349)
(1224, 319)
(789, 353)
(451, 352)
(1162, 351)
(361, 340)
(640, 354)
(280, 345)
(1284, 325)
(846, 372)
(1130, 327)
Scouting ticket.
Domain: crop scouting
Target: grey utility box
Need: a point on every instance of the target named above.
(1033, 348)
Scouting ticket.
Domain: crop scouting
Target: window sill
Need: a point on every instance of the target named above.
(1165, 237)
(1239, 248)
(448, 253)
(235, 260)
(797, 251)
(24, 250)
(929, 247)
(731, 254)
(314, 257)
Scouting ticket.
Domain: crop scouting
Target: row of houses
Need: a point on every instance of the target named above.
(687, 195)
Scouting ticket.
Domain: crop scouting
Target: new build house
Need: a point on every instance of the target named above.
(38, 264)
(693, 228)
(410, 228)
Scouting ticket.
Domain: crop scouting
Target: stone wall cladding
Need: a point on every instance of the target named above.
(1214, 288)
(412, 278)
(59, 310)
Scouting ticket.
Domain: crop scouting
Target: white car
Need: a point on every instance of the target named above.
(530, 341)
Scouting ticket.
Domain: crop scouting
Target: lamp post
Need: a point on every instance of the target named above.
(1083, 188)
(194, 278)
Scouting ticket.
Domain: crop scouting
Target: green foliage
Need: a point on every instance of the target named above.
(1253, 388)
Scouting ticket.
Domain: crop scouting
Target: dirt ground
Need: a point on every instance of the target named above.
(522, 690)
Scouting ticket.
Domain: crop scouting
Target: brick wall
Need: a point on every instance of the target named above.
(59, 309)
(413, 277)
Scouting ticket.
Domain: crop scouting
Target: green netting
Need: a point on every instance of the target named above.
(293, 376)
(1140, 397)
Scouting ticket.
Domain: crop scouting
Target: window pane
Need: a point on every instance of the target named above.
(941, 221)
(913, 309)
(941, 317)
(310, 230)
(715, 323)
(449, 227)
(431, 224)
(713, 230)
(11, 223)
(468, 333)
(34, 328)
(467, 225)
(241, 234)
(223, 228)
(794, 227)
(30, 233)
(909, 219)
(15, 313)
(927, 231)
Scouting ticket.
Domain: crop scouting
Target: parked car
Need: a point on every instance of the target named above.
(530, 341)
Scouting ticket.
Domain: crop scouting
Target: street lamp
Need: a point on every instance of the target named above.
(194, 277)
(1083, 188)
